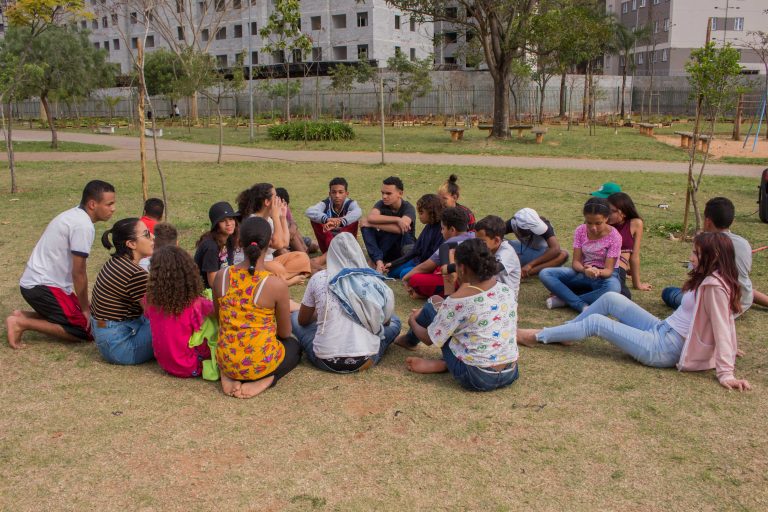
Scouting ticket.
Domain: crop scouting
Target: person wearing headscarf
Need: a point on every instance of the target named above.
(346, 321)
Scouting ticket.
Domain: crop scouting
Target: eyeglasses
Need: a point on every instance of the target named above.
(146, 234)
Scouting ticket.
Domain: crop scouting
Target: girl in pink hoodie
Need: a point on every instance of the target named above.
(699, 335)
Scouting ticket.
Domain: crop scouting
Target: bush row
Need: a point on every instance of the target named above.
(311, 130)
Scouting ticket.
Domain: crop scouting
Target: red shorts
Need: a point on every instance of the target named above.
(324, 237)
(428, 285)
(58, 307)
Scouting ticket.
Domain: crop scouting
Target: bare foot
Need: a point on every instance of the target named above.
(14, 331)
(421, 365)
(229, 386)
(251, 389)
(401, 341)
(527, 337)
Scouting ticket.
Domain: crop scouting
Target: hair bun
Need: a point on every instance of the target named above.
(453, 178)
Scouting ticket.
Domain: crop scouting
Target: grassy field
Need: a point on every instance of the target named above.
(34, 146)
(585, 428)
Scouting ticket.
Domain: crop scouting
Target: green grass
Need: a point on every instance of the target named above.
(585, 428)
(743, 160)
(37, 146)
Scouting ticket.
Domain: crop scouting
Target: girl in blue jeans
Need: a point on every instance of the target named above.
(595, 267)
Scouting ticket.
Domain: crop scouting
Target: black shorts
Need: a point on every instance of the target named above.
(58, 307)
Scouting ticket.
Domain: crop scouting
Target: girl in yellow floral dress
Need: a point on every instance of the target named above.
(255, 348)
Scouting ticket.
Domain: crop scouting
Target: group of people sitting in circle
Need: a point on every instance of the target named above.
(225, 312)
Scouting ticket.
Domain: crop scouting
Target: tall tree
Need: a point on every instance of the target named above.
(283, 37)
(503, 30)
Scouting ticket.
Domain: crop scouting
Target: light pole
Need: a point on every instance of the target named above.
(250, 73)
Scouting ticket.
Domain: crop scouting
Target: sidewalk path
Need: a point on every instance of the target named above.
(126, 150)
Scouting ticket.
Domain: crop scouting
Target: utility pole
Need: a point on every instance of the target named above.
(250, 73)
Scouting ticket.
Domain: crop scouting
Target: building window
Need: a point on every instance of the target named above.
(106, 45)
(150, 41)
(114, 20)
(656, 2)
(96, 45)
(204, 34)
(221, 34)
(238, 31)
(412, 23)
(362, 52)
(104, 23)
(713, 23)
(398, 52)
(254, 58)
(278, 57)
(134, 42)
(339, 21)
(655, 26)
(298, 55)
(134, 18)
(83, 24)
(220, 5)
(339, 53)
(179, 6)
(397, 22)
(221, 61)
(315, 22)
(738, 24)
(625, 7)
(640, 58)
(642, 3)
(413, 54)
(654, 56)
(237, 4)
(317, 54)
(666, 24)
(451, 13)
(634, 5)
(449, 60)
(362, 19)
(116, 44)
(254, 29)
(180, 33)
(450, 38)
(664, 55)
(95, 25)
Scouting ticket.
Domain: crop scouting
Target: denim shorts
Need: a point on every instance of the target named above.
(478, 379)
(126, 342)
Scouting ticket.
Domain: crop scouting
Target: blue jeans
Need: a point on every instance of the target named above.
(525, 253)
(575, 288)
(647, 339)
(477, 379)
(424, 318)
(385, 246)
(126, 342)
(306, 336)
(399, 272)
(672, 296)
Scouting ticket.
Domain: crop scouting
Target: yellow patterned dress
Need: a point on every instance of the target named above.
(248, 348)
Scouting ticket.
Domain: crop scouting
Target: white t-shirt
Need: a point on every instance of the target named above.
(70, 232)
(337, 334)
(507, 256)
(681, 319)
(743, 254)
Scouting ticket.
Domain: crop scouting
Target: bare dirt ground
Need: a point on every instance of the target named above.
(726, 147)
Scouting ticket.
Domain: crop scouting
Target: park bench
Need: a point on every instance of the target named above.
(456, 133)
(486, 127)
(539, 133)
(646, 129)
(702, 143)
(685, 139)
(520, 128)
(149, 132)
(106, 130)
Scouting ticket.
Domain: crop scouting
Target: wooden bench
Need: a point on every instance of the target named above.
(106, 130)
(520, 128)
(685, 139)
(646, 129)
(486, 127)
(539, 133)
(456, 133)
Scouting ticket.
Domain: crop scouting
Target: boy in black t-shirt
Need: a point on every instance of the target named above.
(389, 230)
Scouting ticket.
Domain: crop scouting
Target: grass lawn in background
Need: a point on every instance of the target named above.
(584, 428)
(36, 146)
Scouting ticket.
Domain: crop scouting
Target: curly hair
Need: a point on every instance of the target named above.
(476, 256)
(251, 200)
(174, 280)
(431, 204)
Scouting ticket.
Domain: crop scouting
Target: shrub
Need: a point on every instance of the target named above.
(311, 130)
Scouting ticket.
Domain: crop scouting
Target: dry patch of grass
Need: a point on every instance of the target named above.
(584, 428)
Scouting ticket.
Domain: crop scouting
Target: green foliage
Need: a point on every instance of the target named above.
(714, 75)
(343, 77)
(413, 80)
(276, 90)
(164, 73)
(282, 32)
(311, 130)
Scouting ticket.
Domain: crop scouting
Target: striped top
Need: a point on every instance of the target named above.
(119, 288)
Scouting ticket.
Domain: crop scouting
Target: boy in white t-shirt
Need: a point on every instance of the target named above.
(55, 282)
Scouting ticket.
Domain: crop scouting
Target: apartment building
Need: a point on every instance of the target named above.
(340, 30)
(679, 26)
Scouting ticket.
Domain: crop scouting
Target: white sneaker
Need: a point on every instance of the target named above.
(555, 302)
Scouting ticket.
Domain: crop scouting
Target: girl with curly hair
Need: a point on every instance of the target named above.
(429, 209)
(176, 310)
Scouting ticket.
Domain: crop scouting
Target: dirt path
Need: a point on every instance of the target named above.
(727, 147)
(126, 149)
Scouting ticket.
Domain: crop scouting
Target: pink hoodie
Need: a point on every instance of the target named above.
(711, 342)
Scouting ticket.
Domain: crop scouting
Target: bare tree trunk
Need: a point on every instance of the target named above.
(287, 93)
(561, 110)
(690, 194)
(9, 145)
(49, 118)
(221, 131)
(193, 113)
(501, 106)
(142, 122)
(585, 99)
(159, 169)
(623, 89)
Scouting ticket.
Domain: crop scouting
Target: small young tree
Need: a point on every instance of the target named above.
(283, 36)
(343, 77)
(713, 74)
(623, 44)
(413, 80)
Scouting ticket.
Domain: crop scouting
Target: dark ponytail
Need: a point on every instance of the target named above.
(255, 233)
(451, 186)
(476, 256)
(597, 206)
(121, 232)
